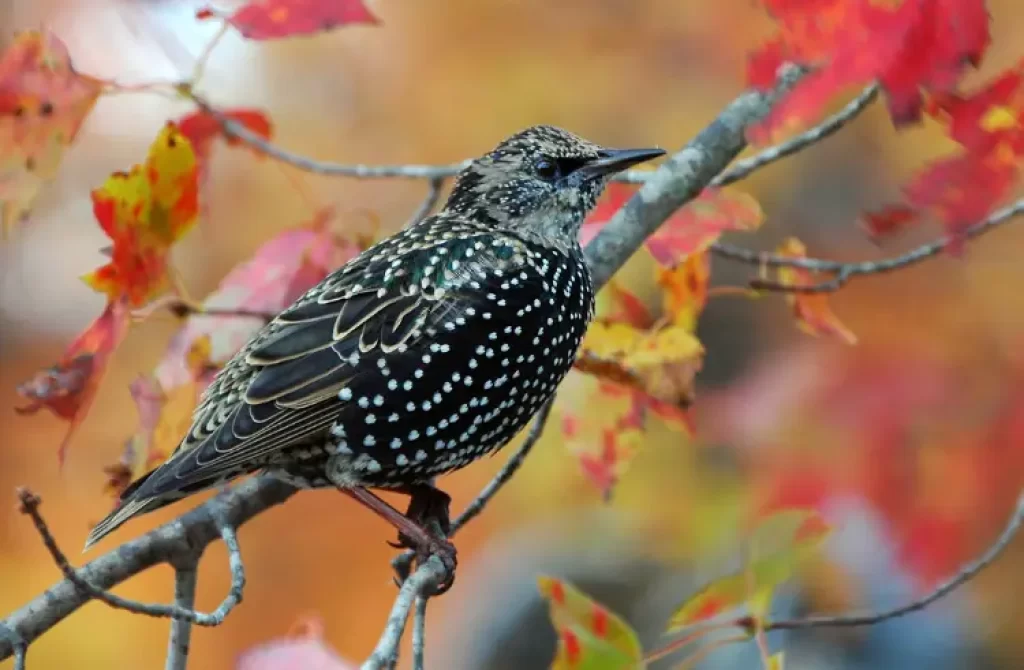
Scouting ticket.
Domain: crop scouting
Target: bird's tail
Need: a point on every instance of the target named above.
(123, 512)
(131, 505)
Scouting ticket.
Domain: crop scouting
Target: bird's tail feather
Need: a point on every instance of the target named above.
(123, 513)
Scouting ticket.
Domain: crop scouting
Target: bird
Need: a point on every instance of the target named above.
(428, 350)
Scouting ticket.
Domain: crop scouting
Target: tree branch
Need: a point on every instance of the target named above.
(966, 574)
(181, 629)
(425, 579)
(419, 625)
(742, 169)
(844, 272)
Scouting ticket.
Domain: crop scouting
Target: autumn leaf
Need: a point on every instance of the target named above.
(811, 310)
(277, 274)
(661, 363)
(201, 128)
(590, 636)
(909, 47)
(776, 661)
(272, 19)
(962, 189)
(302, 649)
(605, 468)
(888, 221)
(43, 103)
(690, 231)
(617, 303)
(69, 387)
(701, 221)
(781, 542)
(685, 289)
(144, 212)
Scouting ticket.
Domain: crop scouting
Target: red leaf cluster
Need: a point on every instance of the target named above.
(909, 46)
(962, 189)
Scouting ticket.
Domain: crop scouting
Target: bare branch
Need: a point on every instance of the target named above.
(428, 204)
(844, 272)
(425, 579)
(966, 574)
(30, 506)
(742, 169)
(474, 508)
(419, 625)
(181, 629)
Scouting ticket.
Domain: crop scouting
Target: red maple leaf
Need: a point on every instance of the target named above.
(908, 46)
(201, 128)
(68, 388)
(43, 103)
(271, 19)
(989, 125)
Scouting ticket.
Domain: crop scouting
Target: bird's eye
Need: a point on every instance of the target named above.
(546, 169)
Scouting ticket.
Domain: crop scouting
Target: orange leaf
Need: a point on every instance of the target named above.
(271, 19)
(591, 637)
(278, 273)
(780, 543)
(812, 311)
(43, 103)
(144, 212)
(700, 222)
(888, 221)
(661, 363)
(69, 387)
(686, 289)
(615, 302)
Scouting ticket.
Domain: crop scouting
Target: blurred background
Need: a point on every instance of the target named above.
(911, 443)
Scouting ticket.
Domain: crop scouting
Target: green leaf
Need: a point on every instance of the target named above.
(590, 637)
(777, 546)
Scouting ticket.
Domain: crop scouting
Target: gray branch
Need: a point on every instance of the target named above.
(424, 579)
(181, 629)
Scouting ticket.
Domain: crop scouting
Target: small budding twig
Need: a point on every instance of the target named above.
(844, 272)
(30, 506)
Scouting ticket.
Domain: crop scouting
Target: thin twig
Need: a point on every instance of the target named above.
(17, 642)
(743, 168)
(424, 579)
(30, 505)
(429, 202)
(966, 574)
(181, 629)
(844, 272)
(511, 466)
(419, 625)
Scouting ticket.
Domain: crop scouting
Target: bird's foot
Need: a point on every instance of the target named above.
(428, 511)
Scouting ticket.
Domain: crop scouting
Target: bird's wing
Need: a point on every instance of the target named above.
(283, 388)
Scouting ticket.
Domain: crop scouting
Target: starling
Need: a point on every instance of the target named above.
(427, 351)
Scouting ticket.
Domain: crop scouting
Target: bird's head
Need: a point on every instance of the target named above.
(541, 181)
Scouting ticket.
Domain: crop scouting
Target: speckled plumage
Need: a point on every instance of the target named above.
(430, 349)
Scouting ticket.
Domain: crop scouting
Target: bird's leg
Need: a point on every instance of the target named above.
(411, 531)
(427, 504)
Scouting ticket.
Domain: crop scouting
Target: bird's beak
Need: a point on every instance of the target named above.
(610, 161)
